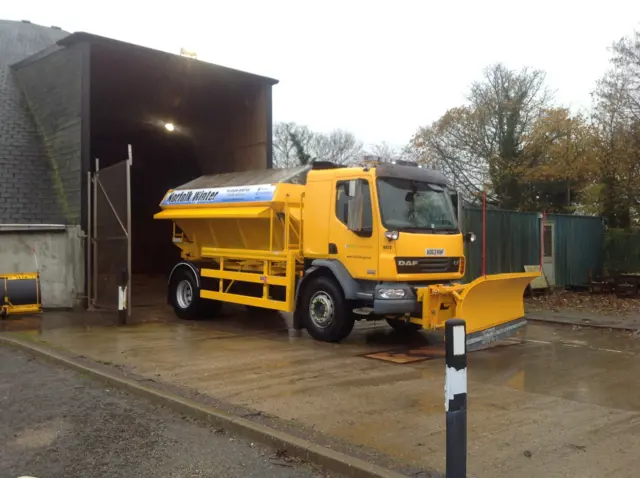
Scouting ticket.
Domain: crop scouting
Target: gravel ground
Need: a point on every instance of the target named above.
(57, 423)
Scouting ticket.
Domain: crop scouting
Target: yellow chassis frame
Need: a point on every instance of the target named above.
(270, 263)
(487, 302)
(269, 268)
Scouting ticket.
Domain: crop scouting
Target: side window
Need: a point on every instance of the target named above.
(342, 206)
(342, 201)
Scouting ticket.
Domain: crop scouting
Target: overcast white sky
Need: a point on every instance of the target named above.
(379, 69)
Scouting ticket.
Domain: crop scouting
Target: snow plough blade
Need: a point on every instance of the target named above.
(492, 306)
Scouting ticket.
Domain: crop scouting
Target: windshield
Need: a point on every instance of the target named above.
(408, 205)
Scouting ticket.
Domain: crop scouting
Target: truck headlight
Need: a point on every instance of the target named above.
(392, 293)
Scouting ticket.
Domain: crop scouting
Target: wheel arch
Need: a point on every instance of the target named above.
(327, 268)
(348, 284)
(189, 265)
(178, 267)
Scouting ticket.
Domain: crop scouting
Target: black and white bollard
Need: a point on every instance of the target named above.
(122, 298)
(455, 333)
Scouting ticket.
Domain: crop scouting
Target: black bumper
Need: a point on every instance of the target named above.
(407, 305)
(395, 307)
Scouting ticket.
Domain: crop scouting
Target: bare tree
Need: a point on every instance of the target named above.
(384, 152)
(626, 63)
(449, 145)
(295, 144)
(414, 154)
(616, 118)
(480, 145)
(338, 146)
(288, 138)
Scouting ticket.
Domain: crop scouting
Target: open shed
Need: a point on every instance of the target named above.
(91, 97)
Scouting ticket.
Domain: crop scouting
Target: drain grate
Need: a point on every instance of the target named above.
(429, 352)
(404, 356)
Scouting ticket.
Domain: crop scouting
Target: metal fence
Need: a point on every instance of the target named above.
(513, 241)
(110, 252)
(622, 251)
(579, 247)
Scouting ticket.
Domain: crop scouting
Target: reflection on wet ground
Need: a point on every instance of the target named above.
(562, 403)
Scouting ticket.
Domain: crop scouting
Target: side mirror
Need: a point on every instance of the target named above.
(469, 237)
(356, 203)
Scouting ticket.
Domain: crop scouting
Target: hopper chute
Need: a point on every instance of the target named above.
(236, 211)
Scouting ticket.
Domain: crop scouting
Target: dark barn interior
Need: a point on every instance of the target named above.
(183, 118)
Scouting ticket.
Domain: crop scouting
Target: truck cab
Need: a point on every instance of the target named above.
(382, 231)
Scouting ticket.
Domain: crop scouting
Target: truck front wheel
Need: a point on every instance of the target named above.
(185, 297)
(325, 311)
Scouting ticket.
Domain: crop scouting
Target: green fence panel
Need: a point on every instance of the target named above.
(622, 251)
(579, 244)
(513, 241)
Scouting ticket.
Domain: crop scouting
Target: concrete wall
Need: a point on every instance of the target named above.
(60, 255)
(52, 88)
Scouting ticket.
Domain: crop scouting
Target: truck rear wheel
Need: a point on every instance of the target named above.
(326, 315)
(185, 297)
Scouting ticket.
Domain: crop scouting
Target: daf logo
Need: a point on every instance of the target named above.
(407, 263)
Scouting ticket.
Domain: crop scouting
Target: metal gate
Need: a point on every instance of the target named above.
(109, 251)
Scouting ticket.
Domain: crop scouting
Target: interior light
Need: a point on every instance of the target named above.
(169, 127)
(188, 53)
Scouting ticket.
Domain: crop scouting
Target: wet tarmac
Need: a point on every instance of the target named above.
(564, 402)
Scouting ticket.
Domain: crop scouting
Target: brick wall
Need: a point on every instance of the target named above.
(52, 87)
(26, 195)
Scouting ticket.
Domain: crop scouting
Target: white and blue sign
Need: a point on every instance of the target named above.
(253, 193)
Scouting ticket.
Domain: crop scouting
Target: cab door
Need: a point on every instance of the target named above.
(353, 234)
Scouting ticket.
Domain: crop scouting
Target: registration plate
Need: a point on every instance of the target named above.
(434, 252)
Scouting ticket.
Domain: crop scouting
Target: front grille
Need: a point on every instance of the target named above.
(427, 265)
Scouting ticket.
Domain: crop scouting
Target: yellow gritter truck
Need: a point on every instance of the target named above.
(334, 245)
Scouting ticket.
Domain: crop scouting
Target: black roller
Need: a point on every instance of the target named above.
(20, 293)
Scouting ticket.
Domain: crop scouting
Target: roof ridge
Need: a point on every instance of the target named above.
(38, 25)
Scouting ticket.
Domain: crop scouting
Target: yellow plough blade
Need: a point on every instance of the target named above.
(493, 300)
(492, 306)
